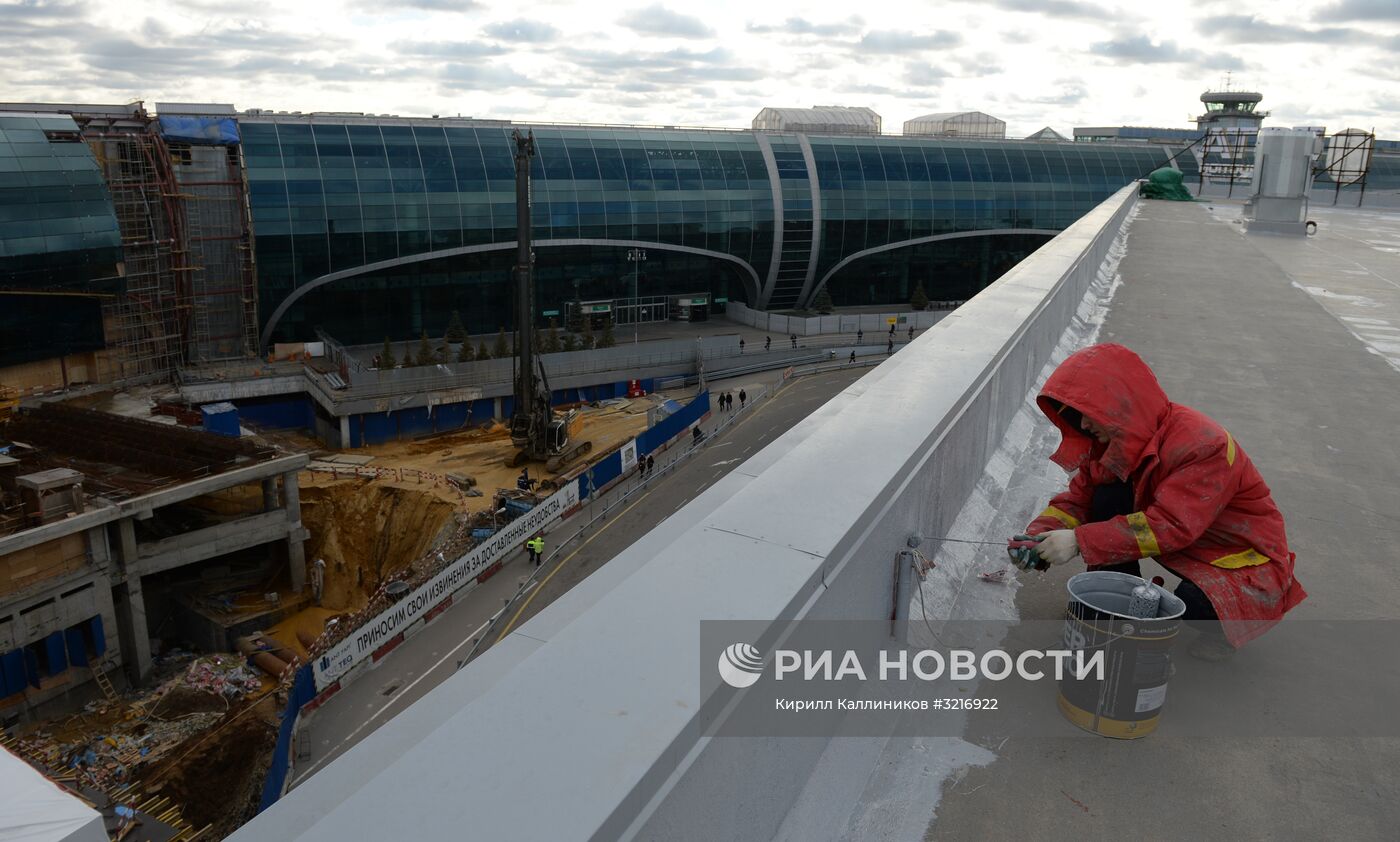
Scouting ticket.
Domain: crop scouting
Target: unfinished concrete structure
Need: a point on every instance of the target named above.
(108, 525)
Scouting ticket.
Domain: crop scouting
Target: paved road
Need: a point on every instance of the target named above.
(433, 654)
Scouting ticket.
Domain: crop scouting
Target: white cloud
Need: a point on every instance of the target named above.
(1031, 62)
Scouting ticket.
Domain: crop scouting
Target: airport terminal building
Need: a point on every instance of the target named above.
(202, 234)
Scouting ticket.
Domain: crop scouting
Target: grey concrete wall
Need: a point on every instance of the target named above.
(871, 323)
(989, 354)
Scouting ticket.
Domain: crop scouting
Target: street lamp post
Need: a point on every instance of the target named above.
(635, 257)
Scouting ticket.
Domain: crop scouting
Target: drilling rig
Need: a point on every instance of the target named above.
(541, 433)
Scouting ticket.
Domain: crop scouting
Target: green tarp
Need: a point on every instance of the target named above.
(1165, 183)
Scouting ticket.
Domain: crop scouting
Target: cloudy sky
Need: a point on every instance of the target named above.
(717, 62)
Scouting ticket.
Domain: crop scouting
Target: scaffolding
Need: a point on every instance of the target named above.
(145, 323)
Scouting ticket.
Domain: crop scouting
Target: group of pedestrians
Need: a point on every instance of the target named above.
(645, 465)
(726, 400)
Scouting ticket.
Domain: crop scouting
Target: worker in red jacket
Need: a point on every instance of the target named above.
(1159, 480)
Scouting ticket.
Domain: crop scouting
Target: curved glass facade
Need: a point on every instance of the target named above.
(58, 230)
(58, 240)
(753, 216)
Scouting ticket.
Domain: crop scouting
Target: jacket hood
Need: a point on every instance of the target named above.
(1113, 387)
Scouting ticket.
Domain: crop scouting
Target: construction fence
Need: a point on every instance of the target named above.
(303, 691)
(871, 323)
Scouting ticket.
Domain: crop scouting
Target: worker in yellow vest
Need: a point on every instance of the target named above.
(535, 546)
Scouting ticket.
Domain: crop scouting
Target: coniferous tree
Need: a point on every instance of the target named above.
(456, 331)
(587, 338)
(607, 340)
(386, 356)
(919, 299)
(500, 350)
(425, 351)
(569, 343)
(465, 353)
(822, 302)
(481, 352)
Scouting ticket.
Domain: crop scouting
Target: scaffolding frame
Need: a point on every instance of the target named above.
(1226, 155)
(146, 322)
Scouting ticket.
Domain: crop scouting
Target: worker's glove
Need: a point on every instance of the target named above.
(1058, 546)
(1021, 549)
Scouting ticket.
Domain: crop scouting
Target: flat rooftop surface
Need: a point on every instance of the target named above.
(1294, 346)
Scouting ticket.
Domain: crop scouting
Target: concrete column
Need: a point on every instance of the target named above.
(296, 554)
(269, 486)
(344, 431)
(126, 528)
(132, 630)
(497, 411)
(99, 551)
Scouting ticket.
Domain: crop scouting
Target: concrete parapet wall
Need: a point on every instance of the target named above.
(872, 323)
(597, 701)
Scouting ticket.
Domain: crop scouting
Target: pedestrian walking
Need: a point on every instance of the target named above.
(741, 345)
(641, 469)
(743, 396)
(853, 358)
(767, 343)
(891, 329)
(535, 546)
(911, 333)
(889, 347)
(651, 465)
(860, 335)
(729, 401)
(793, 337)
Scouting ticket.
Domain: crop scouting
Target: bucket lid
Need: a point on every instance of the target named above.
(1108, 592)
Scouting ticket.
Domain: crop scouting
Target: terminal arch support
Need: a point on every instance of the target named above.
(751, 282)
(958, 235)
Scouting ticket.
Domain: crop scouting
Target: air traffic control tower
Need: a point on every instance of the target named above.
(1231, 110)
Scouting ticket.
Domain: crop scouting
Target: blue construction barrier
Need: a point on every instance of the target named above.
(610, 467)
(674, 424)
(303, 691)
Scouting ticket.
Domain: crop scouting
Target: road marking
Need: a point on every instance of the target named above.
(560, 566)
(725, 462)
(403, 692)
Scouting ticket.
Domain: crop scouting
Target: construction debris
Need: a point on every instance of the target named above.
(222, 675)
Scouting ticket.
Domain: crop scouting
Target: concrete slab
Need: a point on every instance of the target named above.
(1229, 327)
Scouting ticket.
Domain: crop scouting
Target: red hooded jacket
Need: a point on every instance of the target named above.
(1203, 510)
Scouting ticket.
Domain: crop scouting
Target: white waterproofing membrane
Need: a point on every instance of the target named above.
(890, 788)
(35, 809)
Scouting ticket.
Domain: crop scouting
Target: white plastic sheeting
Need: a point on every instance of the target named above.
(35, 809)
(822, 119)
(956, 124)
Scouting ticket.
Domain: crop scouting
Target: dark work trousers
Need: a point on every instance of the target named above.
(1116, 498)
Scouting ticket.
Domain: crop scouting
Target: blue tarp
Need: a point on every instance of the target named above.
(217, 131)
(12, 677)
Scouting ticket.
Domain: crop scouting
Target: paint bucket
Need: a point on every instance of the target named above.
(1126, 702)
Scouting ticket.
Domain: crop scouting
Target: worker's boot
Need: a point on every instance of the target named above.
(1211, 648)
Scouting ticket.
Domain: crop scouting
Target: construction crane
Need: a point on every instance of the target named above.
(541, 433)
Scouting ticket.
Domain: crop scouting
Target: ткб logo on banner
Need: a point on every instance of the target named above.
(740, 665)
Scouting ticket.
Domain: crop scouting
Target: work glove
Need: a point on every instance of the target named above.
(1021, 549)
(1058, 546)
